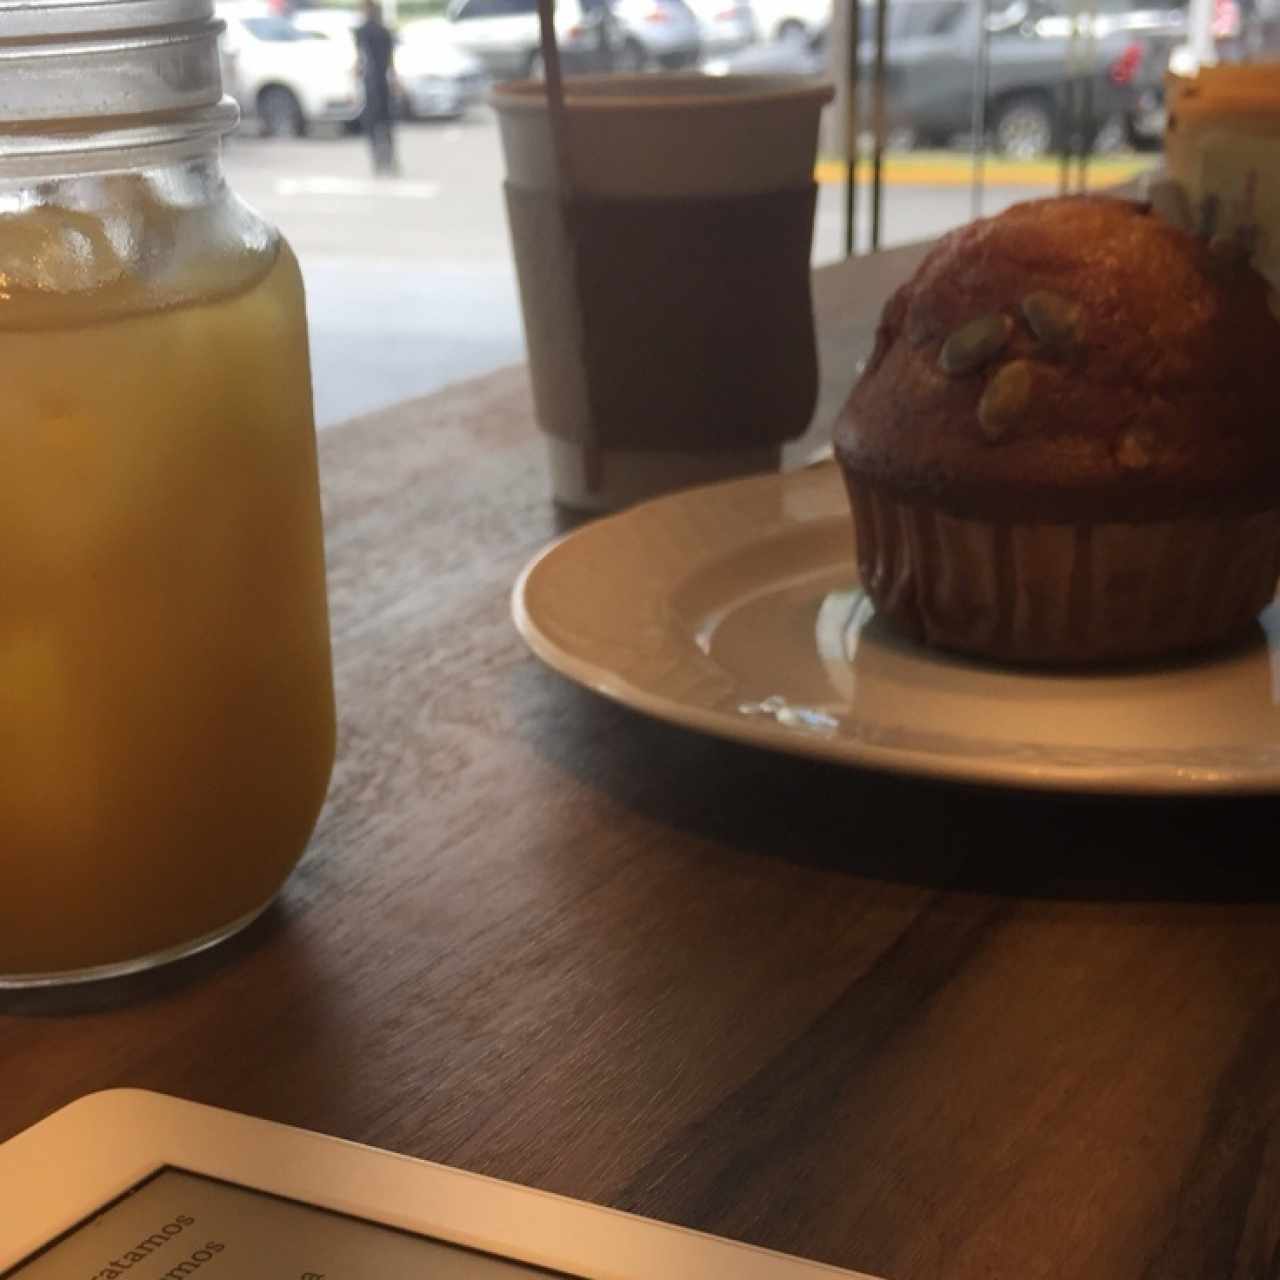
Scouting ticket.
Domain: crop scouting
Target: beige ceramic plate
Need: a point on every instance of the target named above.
(734, 610)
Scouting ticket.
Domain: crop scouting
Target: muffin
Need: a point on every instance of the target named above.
(1065, 447)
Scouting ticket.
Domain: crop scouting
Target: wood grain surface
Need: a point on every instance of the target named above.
(929, 1032)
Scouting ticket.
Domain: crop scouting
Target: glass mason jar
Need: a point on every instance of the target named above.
(166, 697)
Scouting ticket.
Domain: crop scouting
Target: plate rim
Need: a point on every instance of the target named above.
(851, 751)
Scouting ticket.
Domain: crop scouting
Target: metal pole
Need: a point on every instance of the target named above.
(1067, 107)
(978, 127)
(877, 154)
(851, 122)
(1089, 59)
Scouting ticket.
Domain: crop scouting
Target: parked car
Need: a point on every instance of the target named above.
(285, 77)
(800, 21)
(790, 57)
(656, 33)
(1035, 77)
(724, 25)
(436, 78)
(1238, 31)
(1156, 29)
(502, 35)
(930, 54)
(337, 24)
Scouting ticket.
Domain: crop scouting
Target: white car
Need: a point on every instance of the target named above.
(791, 19)
(726, 25)
(337, 24)
(436, 78)
(285, 76)
(504, 35)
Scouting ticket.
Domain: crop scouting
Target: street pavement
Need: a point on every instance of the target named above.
(410, 281)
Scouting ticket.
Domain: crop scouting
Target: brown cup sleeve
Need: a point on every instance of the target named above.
(681, 324)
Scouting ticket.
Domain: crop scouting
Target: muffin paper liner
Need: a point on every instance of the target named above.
(1061, 593)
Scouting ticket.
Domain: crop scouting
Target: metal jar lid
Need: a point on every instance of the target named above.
(73, 60)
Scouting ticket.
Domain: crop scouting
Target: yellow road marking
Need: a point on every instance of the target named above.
(957, 171)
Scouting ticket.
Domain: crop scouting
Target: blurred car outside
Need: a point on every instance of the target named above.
(663, 34)
(790, 57)
(1155, 31)
(794, 20)
(434, 79)
(283, 76)
(724, 25)
(931, 51)
(1035, 78)
(502, 35)
(337, 24)
(1106, 17)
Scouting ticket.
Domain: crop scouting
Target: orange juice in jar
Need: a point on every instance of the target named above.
(165, 682)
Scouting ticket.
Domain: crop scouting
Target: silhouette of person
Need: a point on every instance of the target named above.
(376, 46)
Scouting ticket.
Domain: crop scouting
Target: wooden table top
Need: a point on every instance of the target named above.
(929, 1032)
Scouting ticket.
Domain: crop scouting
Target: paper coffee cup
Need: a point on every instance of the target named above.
(648, 155)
